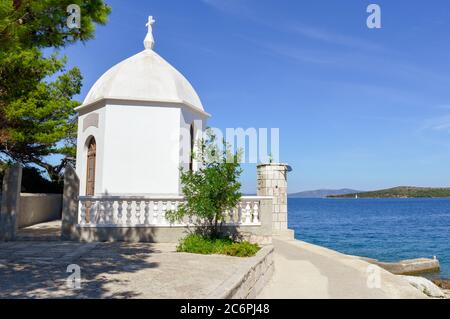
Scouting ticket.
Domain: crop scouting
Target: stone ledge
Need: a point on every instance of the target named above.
(250, 279)
(409, 266)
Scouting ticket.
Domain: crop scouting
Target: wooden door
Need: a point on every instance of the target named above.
(90, 176)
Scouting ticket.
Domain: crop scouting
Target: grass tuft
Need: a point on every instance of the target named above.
(198, 244)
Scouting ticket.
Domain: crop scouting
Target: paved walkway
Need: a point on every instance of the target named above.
(305, 271)
(49, 231)
(30, 269)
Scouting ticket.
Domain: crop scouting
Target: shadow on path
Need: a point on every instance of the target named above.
(39, 269)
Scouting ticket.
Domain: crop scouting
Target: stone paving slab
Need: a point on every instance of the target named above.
(35, 269)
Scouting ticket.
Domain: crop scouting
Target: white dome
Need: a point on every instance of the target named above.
(144, 76)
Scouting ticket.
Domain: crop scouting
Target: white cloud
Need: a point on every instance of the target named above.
(335, 38)
(439, 124)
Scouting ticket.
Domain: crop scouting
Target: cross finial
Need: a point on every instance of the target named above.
(150, 23)
(149, 42)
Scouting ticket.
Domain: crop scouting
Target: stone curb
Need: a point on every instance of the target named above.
(249, 279)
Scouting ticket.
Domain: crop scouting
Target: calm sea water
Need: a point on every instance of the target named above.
(385, 229)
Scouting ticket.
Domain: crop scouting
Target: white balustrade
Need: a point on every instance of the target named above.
(137, 211)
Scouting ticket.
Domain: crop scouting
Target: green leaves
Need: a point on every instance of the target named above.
(34, 113)
(214, 188)
(37, 116)
(198, 244)
(43, 23)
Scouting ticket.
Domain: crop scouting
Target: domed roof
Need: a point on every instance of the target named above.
(144, 76)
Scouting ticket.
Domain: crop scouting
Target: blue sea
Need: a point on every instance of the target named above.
(385, 229)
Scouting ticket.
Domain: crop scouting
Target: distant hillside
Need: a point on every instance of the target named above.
(400, 192)
(322, 193)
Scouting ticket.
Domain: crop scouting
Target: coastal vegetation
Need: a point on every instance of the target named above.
(400, 192)
(210, 191)
(37, 116)
(198, 244)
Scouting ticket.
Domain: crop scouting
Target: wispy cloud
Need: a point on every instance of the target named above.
(329, 37)
(233, 7)
(439, 124)
(435, 131)
(241, 8)
(300, 54)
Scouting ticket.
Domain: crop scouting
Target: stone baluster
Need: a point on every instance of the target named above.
(256, 213)
(146, 212)
(83, 213)
(173, 206)
(110, 210)
(102, 212)
(138, 212)
(129, 209)
(248, 215)
(239, 213)
(163, 213)
(155, 212)
(93, 212)
(120, 209)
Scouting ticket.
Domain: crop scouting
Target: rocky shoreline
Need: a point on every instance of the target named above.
(444, 284)
(412, 271)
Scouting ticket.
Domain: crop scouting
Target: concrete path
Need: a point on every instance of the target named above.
(49, 231)
(307, 271)
(30, 269)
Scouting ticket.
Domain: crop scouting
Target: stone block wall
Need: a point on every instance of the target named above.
(272, 181)
(250, 279)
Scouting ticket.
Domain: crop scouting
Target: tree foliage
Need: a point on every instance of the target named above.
(33, 180)
(212, 189)
(37, 116)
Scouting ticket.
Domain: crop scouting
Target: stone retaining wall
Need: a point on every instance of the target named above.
(248, 281)
(38, 208)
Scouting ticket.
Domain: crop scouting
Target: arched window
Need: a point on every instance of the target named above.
(90, 164)
(191, 161)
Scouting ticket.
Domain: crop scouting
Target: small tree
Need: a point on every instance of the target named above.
(212, 189)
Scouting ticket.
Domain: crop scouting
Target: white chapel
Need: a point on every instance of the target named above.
(137, 127)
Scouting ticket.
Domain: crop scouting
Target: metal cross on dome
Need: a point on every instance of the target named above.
(149, 42)
(150, 23)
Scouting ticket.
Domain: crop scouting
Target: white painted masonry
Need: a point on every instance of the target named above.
(145, 118)
(140, 113)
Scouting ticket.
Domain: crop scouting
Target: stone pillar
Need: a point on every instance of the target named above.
(272, 181)
(12, 184)
(70, 204)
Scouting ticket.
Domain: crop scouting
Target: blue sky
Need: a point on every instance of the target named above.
(356, 108)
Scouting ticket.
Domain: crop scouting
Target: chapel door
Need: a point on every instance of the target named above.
(90, 176)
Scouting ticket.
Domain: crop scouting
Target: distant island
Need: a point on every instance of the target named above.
(399, 192)
(322, 193)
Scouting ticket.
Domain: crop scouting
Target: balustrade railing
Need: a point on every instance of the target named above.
(136, 211)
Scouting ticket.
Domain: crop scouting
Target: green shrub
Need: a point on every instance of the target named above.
(241, 249)
(199, 244)
(212, 189)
